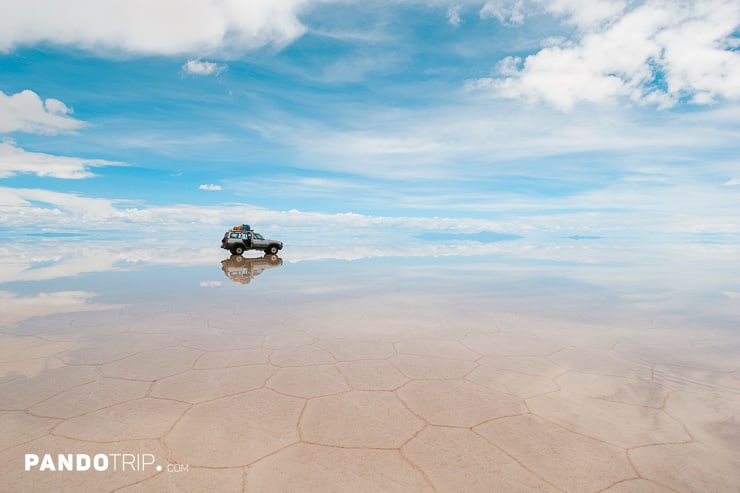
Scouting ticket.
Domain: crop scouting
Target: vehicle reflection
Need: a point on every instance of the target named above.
(244, 269)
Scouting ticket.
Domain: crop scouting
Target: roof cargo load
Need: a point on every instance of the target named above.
(242, 227)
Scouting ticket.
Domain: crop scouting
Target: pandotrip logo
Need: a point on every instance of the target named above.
(117, 462)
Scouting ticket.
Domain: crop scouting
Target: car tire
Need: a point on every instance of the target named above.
(272, 250)
(238, 250)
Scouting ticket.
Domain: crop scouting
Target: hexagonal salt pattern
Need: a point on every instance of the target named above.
(325, 402)
(457, 459)
(236, 430)
(309, 381)
(359, 419)
(458, 403)
(306, 467)
(568, 460)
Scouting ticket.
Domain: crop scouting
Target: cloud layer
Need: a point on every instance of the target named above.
(421, 146)
(658, 52)
(165, 27)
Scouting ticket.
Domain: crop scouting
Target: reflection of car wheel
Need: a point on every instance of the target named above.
(272, 250)
(273, 258)
(238, 250)
(238, 259)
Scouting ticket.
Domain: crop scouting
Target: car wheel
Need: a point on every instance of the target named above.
(272, 250)
(238, 250)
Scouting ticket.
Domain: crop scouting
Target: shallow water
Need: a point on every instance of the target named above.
(574, 365)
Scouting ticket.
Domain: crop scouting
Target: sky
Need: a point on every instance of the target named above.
(522, 117)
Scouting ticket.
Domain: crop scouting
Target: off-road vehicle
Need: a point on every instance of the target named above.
(237, 241)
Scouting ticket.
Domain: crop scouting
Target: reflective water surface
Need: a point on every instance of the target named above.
(562, 365)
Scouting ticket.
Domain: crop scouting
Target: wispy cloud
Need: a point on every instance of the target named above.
(312, 186)
(14, 160)
(27, 112)
(178, 144)
(210, 284)
(472, 140)
(210, 187)
(733, 295)
(199, 67)
(733, 182)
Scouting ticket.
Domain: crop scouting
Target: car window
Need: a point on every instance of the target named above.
(258, 236)
(235, 235)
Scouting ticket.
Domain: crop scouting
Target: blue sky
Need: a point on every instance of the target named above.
(566, 116)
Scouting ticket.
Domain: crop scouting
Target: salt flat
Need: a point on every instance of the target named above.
(395, 384)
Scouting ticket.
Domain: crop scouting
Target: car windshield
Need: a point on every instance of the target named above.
(258, 236)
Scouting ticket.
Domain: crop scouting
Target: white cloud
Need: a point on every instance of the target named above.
(509, 66)
(14, 160)
(27, 112)
(506, 11)
(198, 67)
(586, 14)
(733, 182)
(453, 16)
(657, 53)
(210, 187)
(166, 27)
(39, 207)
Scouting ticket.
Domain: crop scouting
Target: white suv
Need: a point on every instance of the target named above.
(238, 241)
